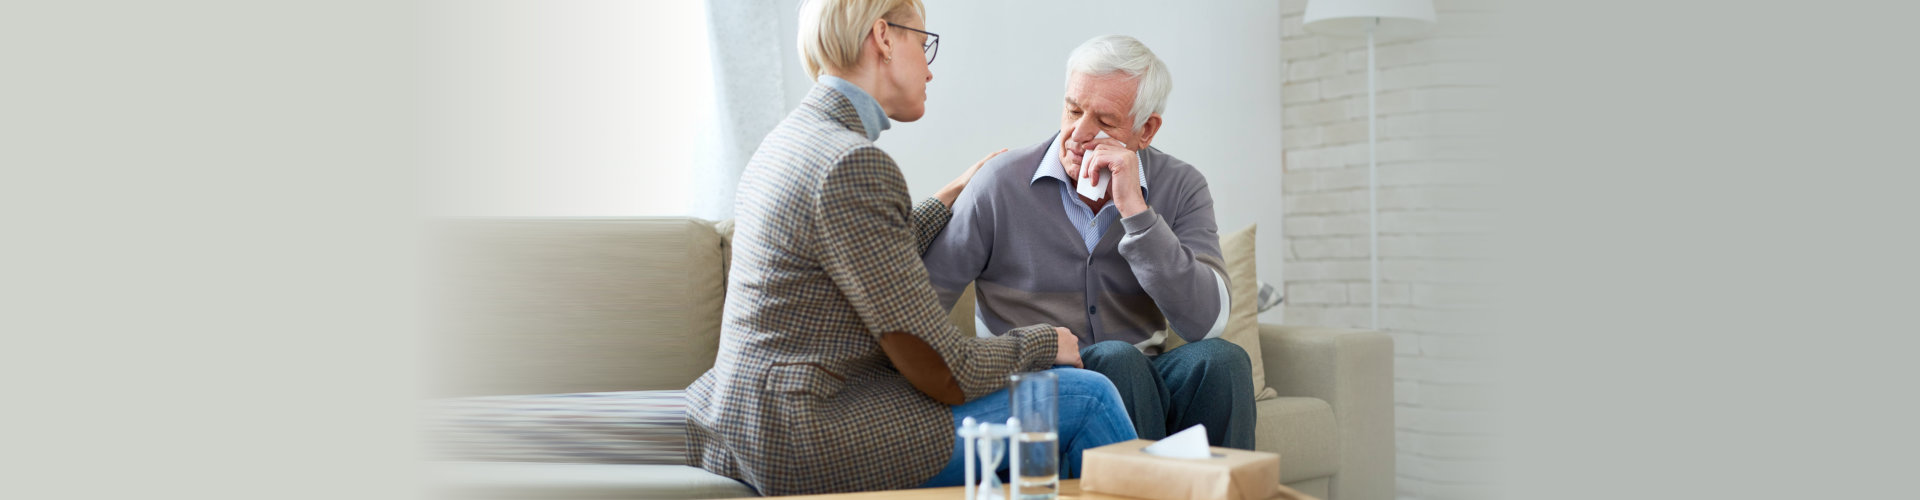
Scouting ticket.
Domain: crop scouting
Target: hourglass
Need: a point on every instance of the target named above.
(985, 445)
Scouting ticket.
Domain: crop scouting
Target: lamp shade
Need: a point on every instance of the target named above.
(1397, 18)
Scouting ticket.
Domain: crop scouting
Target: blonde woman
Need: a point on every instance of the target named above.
(838, 370)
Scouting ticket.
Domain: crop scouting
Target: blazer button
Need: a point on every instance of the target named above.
(1093, 309)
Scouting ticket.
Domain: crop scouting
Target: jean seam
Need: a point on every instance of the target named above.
(1099, 413)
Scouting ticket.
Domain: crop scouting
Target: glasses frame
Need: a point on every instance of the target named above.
(931, 48)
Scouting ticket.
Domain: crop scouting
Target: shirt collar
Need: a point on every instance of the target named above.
(872, 117)
(1050, 166)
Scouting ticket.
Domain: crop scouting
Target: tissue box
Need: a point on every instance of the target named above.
(1123, 469)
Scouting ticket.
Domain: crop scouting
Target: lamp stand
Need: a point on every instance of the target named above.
(1373, 206)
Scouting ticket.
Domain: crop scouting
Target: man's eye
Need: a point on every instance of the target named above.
(1075, 112)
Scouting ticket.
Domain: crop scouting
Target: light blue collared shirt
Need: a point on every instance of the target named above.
(872, 117)
(1094, 225)
(1091, 225)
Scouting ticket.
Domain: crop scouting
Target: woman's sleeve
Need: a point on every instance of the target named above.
(867, 237)
(929, 217)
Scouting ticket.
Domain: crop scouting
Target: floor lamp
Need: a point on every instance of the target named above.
(1387, 19)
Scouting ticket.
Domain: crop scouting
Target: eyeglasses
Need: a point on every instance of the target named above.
(932, 47)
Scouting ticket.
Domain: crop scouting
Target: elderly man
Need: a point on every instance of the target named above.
(1039, 251)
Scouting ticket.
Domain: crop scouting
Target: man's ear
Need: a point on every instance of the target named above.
(1147, 131)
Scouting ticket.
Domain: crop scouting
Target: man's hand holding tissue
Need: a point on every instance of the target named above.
(1114, 156)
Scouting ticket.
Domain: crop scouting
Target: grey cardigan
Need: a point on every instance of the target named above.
(1011, 237)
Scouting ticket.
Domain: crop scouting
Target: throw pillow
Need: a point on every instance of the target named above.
(1243, 305)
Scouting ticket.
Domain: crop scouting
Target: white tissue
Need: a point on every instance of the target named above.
(1096, 189)
(1190, 443)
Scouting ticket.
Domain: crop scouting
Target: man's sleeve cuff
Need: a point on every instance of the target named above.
(1140, 222)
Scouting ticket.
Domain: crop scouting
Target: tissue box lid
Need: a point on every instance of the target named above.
(1124, 469)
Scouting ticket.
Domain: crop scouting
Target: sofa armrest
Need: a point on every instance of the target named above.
(1353, 371)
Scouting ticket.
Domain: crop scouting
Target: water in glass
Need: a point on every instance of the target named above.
(1039, 474)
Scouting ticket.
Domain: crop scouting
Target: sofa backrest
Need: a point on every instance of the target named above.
(552, 305)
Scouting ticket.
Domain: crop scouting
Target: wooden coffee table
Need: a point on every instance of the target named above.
(1069, 490)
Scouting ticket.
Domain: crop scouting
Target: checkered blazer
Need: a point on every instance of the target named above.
(826, 259)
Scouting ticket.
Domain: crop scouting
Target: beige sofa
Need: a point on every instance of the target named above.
(536, 306)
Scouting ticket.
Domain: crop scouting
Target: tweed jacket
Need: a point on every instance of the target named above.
(826, 259)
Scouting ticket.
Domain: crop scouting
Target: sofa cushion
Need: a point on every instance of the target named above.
(578, 305)
(1243, 305)
(540, 481)
(962, 314)
(1303, 432)
(630, 427)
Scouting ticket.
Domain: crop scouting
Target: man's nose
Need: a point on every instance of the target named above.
(1085, 129)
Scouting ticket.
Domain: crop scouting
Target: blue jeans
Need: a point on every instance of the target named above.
(1207, 382)
(1091, 415)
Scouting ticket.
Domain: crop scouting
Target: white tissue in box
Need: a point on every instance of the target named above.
(1190, 443)
(1096, 189)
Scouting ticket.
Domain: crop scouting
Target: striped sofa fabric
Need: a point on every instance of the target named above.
(628, 427)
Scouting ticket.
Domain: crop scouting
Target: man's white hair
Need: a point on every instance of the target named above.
(1108, 54)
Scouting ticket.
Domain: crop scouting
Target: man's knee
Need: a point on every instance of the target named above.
(1213, 356)
(1122, 363)
(1113, 355)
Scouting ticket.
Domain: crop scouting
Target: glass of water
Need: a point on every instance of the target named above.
(1036, 403)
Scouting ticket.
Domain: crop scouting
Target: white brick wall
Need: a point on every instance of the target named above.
(1435, 93)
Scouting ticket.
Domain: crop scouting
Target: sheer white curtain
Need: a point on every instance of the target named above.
(743, 37)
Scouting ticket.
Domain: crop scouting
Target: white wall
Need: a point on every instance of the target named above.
(563, 109)
(1000, 74)
(539, 110)
(1434, 97)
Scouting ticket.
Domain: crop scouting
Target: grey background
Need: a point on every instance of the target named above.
(207, 270)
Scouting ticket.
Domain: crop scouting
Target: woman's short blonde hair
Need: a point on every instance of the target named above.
(832, 31)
